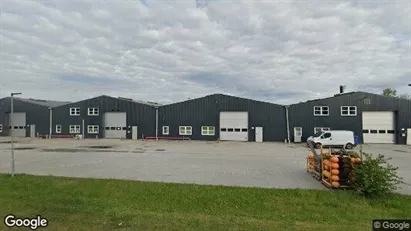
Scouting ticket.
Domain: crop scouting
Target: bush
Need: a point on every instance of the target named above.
(375, 177)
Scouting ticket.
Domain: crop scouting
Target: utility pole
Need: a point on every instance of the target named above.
(11, 122)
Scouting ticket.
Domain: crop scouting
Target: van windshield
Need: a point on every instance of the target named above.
(318, 134)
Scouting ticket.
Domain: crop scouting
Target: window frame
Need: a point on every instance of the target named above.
(74, 111)
(185, 130)
(93, 126)
(59, 131)
(206, 130)
(75, 126)
(93, 111)
(298, 130)
(322, 129)
(168, 130)
(348, 110)
(321, 110)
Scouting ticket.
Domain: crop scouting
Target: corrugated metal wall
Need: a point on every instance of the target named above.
(140, 115)
(302, 114)
(35, 114)
(205, 112)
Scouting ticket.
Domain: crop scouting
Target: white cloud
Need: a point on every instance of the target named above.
(278, 51)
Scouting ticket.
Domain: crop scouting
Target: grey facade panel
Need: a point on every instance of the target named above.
(302, 114)
(138, 114)
(35, 114)
(205, 112)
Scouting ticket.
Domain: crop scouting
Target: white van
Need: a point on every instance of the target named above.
(343, 139)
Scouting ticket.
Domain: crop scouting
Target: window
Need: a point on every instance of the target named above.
(321, 111)
(348, 110)
(74, 129)
(327, 135)
(320, 129)
(92, 129)
(208, 130)
(166, 130)
(223, 129)
(58, 128)
(185, 130)
(1, 127)
(298, 131)
(93, 111)
(365, 131)
(381, 131)
(244, 130)
(74, 111)
(374, 131)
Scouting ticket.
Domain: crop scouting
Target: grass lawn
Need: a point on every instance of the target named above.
(89, 204)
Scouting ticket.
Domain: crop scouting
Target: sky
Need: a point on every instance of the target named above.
(167, 51)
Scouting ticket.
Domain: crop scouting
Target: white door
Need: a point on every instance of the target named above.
(134, 132)
(115, 125)
(326, 139)
(234, 126)
(17, 124)
(409, 136)
(259, 134)
(378, 127)
(298, 133)
(32, 130)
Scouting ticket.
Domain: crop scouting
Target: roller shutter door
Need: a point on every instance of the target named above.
(378, 127)
(115, 125)
(18, 124)
(234, 126)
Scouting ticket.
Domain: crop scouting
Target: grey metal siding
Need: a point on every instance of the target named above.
(35, 114)
(302, 115)
(140, 115)
(205, 112)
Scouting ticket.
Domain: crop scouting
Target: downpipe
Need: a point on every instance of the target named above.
(288, 123)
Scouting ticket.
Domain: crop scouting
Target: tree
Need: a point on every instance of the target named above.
(393, 93)
(389, 92)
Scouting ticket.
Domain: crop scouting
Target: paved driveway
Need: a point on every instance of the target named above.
(270, 165)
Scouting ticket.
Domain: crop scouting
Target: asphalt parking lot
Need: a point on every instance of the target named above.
(270, 165)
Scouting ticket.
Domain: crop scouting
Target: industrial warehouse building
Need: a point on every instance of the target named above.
(105, 117)
(223, 117)
(30, 117)
(374, 118)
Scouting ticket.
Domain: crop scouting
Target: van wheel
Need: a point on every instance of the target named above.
(317, 145)
(349, 146)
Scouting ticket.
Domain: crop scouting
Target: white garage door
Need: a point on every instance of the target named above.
(18, 124)
(115, 125)
(234, 126)
(378, 127)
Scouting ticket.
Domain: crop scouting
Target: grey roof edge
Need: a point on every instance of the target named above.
(225, 95)
(40, 102)
(350, 93)
(148, 103)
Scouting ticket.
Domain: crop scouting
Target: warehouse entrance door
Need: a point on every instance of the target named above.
(17, 124)
(378, 127)
(234, 126)
(115, 125)
(409, 136)
(259, 134)
(134, 133)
